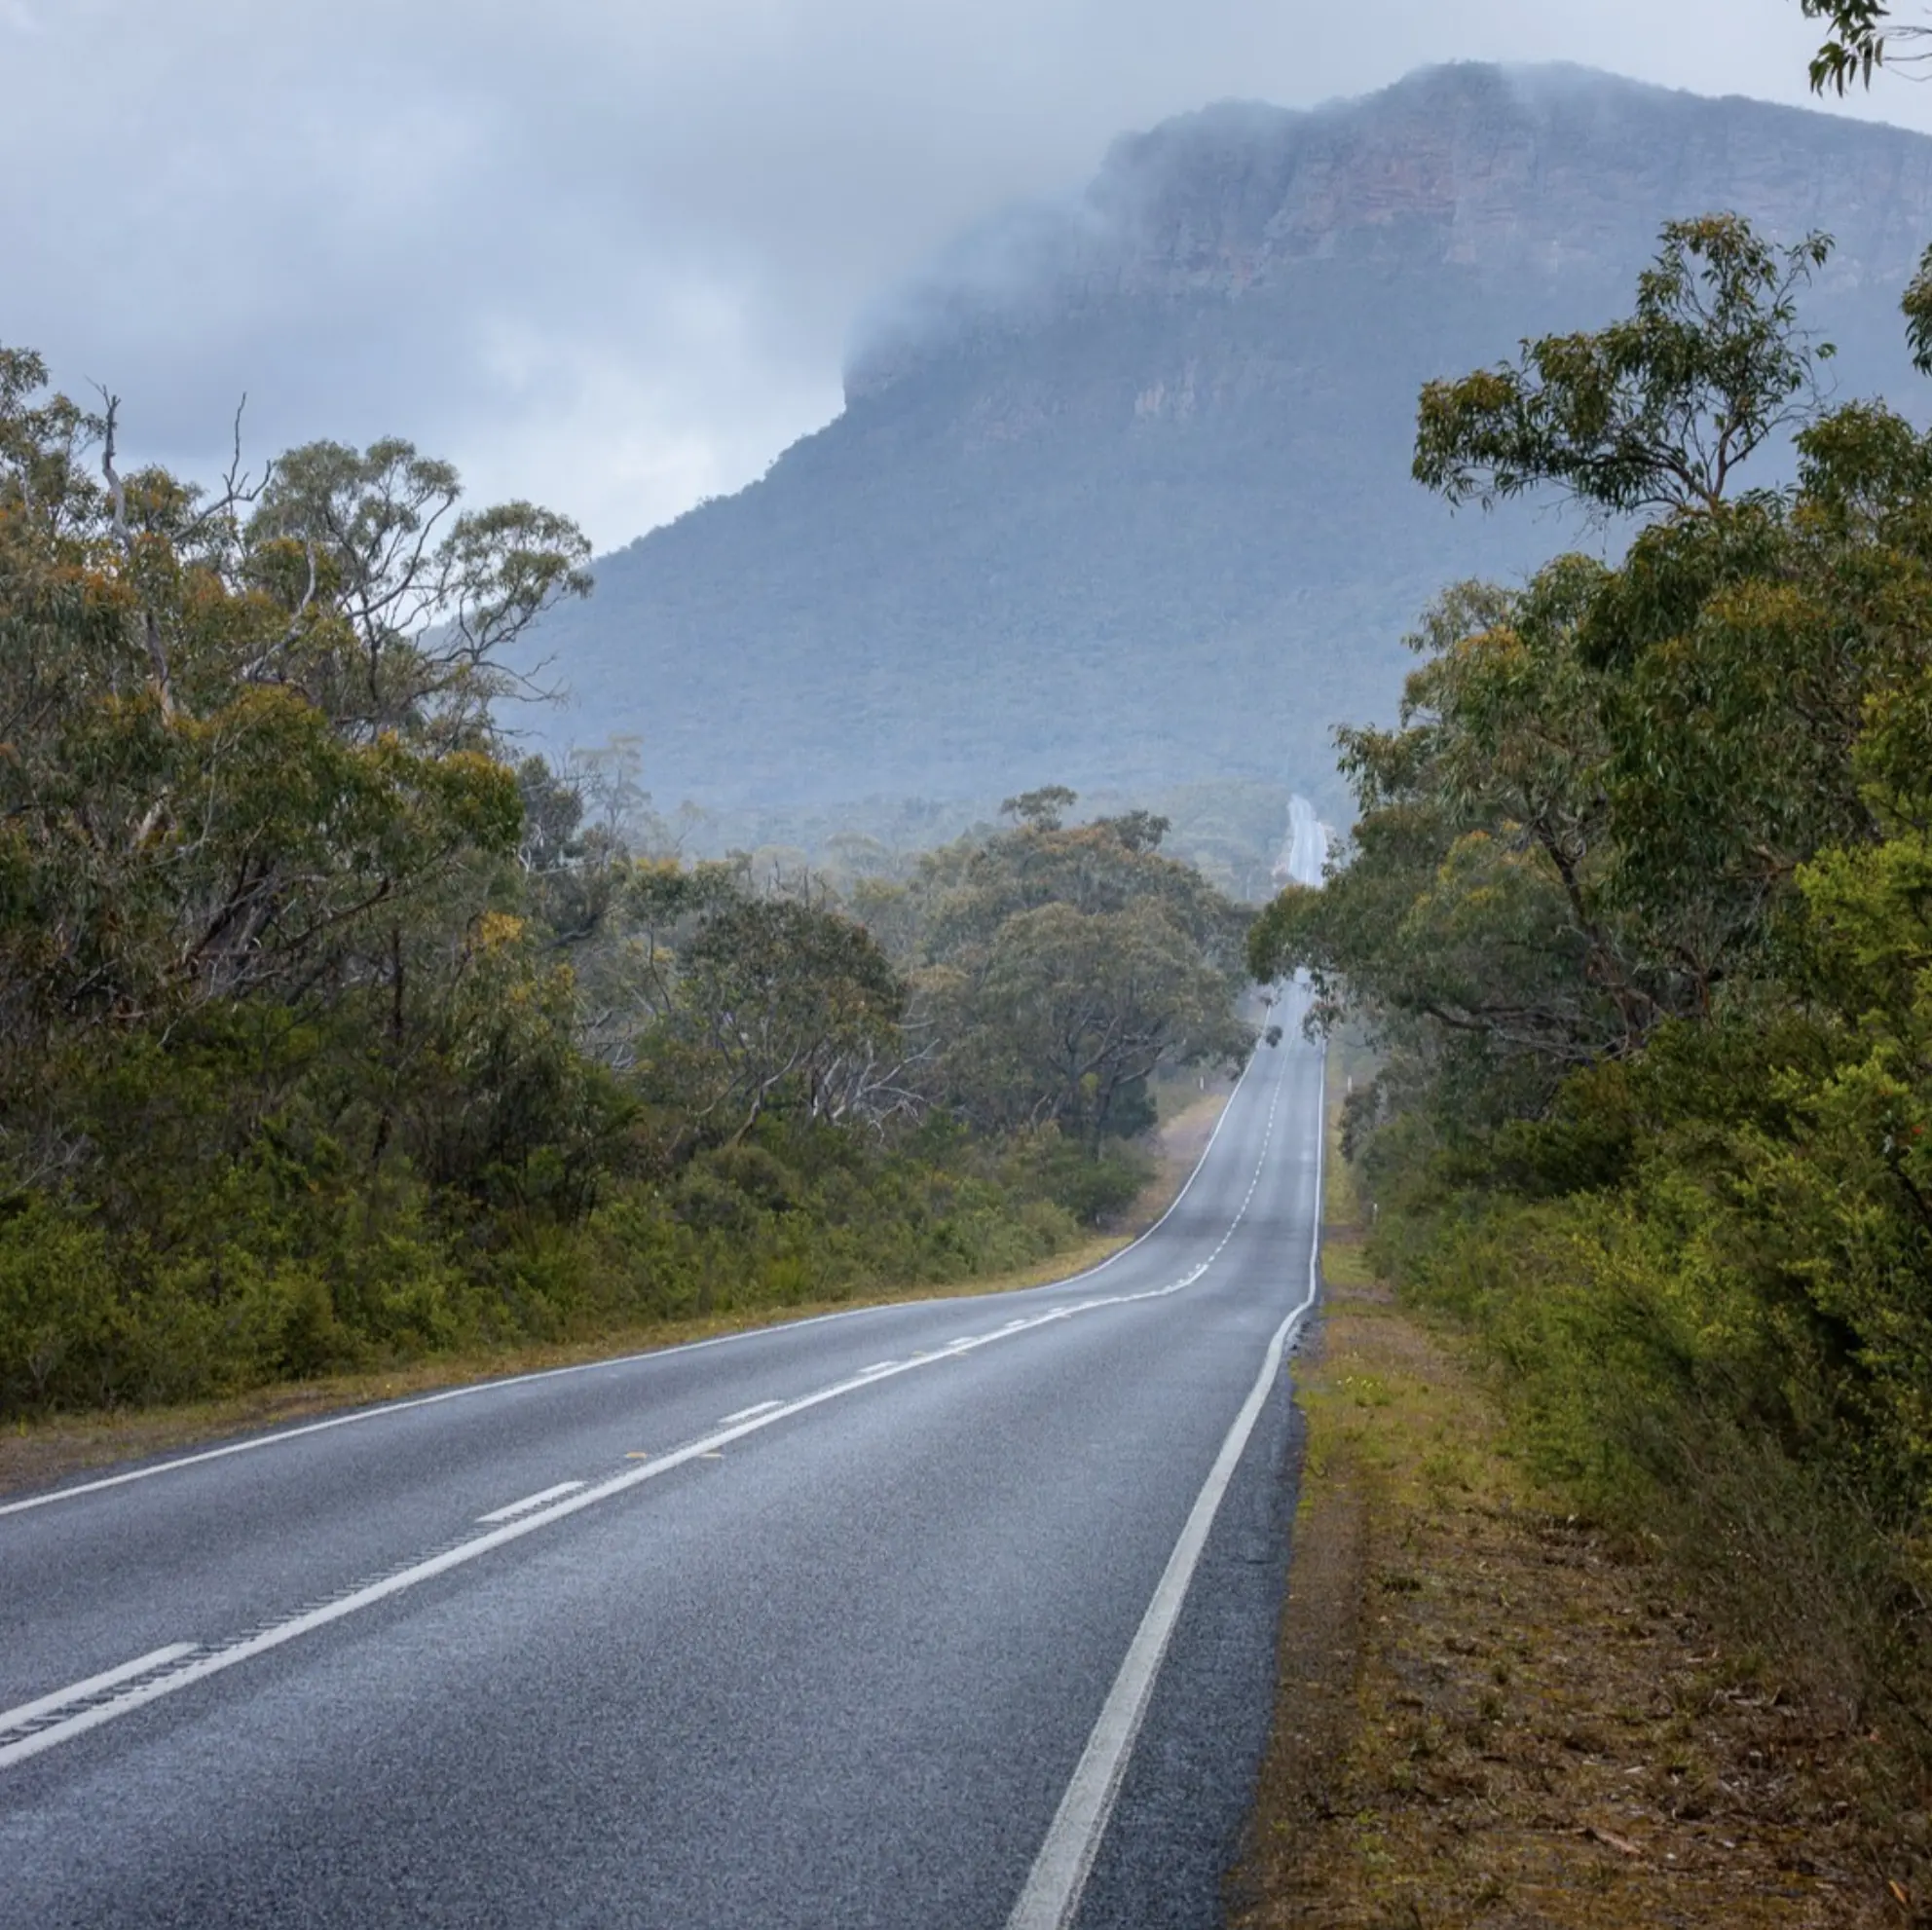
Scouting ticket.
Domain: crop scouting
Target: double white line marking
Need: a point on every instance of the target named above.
(528, 1502)
(134, 1684)
(95, 1685)
(511, 1523)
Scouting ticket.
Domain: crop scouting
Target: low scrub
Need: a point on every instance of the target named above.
(308, 1284)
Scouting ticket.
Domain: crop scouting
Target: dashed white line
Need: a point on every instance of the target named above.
(528, 1502)
(79, 1692)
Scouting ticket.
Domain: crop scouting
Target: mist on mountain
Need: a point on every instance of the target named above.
(1120, 497)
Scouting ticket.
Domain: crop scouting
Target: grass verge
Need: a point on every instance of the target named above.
(1491, 1714)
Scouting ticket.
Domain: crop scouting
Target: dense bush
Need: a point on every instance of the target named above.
(1640, 905)
(329, 1039)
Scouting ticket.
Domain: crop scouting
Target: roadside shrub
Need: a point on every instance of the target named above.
(62, 1321)
(1646, 1375)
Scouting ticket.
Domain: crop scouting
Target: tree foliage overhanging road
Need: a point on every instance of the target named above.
(327, 1035)
(1639, 905)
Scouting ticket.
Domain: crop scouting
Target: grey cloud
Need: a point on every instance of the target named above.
(610, 254)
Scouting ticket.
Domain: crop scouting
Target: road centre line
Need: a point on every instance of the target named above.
(1051, 1900)
(261, 1640)
(528, 1502)
(376, 1413)
(79, 1692)
(746, 1413)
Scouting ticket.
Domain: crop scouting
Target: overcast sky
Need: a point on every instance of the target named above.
(606, 253)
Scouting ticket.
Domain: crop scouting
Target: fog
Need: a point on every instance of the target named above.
(611, 256)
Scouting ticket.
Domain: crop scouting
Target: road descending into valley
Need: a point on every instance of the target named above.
(951, 1615)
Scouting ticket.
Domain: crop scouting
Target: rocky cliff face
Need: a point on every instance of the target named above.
(1121, 492)
(1536, 175)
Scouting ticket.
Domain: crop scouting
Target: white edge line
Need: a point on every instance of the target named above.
(376, 1413)
(528, 1502)
(12, 1719)
(1059, 1873)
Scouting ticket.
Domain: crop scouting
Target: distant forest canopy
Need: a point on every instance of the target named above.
(1230, 832)
(1637, 912)
(329, 1034)
(1121, 495)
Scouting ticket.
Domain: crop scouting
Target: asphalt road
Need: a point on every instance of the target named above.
(951, 1614)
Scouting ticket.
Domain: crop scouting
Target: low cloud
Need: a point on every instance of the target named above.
(610, 255)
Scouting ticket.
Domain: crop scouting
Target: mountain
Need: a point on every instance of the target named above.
(1120, 495)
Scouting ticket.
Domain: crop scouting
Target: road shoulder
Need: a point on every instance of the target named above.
(1489, 1714)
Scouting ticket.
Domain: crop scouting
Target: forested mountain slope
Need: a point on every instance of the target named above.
(1120, 492)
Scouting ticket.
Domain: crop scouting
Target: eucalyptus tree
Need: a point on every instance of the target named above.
(1055, 968)
(247, 782)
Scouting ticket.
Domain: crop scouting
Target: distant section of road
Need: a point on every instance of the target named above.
(1305, 849)
(952, 1614)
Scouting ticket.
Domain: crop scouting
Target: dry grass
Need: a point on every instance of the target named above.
(36, 1452)
(1490, 1714)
